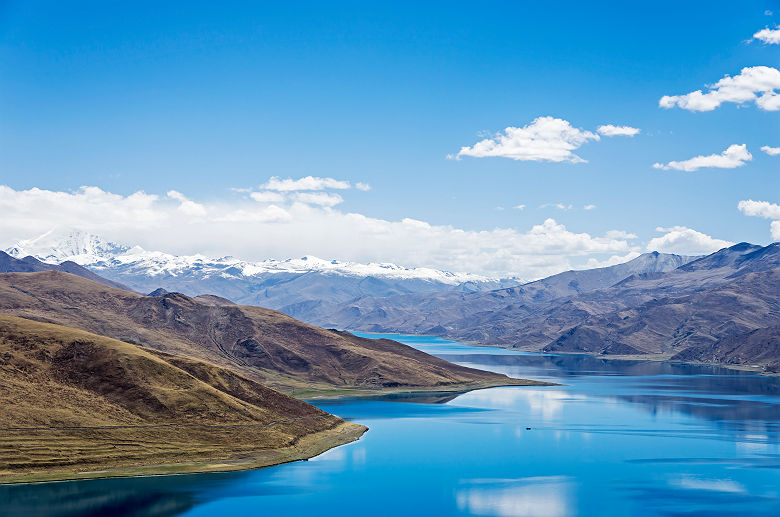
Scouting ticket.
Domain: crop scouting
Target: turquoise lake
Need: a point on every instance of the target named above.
(618, 438)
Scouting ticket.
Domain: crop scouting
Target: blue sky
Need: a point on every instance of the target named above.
(201, 98)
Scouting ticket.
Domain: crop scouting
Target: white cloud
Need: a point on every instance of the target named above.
(319, 198)
(734, 156)
(611, 261)
(242, 227)
(771, 151)
(186, 205)
(365, 187)
(610, 130)
(559, 206)
(685, 241)
(763, 209)
(519, 207)
(753, 84)
(306, 183)
(589, 207)
(769, 36)
(266, 196)
(620, 234)
(545, 139)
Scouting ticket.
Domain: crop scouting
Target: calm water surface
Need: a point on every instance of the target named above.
(620, 438)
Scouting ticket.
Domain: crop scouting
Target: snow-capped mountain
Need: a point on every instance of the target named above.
(294, 286)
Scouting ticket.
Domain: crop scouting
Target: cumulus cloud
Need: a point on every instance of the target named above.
(306, 183)
(685, 241)
(545, 139)
(243, 227)
(771, 151)
(734, 156)
(763, 209)
(610, 130)
(756, 84)
(186, 205)
(769, 36)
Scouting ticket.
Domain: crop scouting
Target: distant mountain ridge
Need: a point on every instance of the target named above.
(452, 313)
(293, 286)
(723, 308)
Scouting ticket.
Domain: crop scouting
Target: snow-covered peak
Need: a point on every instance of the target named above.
(90, 250)
(58, 245)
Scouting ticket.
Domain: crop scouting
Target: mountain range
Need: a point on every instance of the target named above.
(723, 308)
(297, 287)
(720, 308)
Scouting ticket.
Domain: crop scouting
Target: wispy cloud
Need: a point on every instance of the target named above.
(589, 207)
(756, 84)
(306, 183)
(734, 156)
(559, 206)
(325, 199)
(610, 130)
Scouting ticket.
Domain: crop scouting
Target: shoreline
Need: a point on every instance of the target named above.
(659, 358)
(305, 448)
(348, 393)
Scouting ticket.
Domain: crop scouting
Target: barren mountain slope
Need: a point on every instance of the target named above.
(73, 401)
(262, 344)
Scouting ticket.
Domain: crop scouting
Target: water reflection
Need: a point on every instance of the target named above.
(525, 497)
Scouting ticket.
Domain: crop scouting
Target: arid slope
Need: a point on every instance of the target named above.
(77, 404)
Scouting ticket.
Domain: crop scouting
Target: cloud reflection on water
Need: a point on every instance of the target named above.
(524, 497)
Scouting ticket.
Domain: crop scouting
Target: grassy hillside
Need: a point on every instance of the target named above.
(77, 404)
(263, 345)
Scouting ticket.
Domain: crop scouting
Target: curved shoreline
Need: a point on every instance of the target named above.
(306, 447)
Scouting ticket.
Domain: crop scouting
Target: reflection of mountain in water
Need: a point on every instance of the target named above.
(115, 497)
(735, 399)
(124, 497)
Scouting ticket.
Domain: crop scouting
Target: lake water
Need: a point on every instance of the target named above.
(620, 438)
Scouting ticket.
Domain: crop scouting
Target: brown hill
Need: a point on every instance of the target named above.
(76, 404)
(264, 345)
(9, 264)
